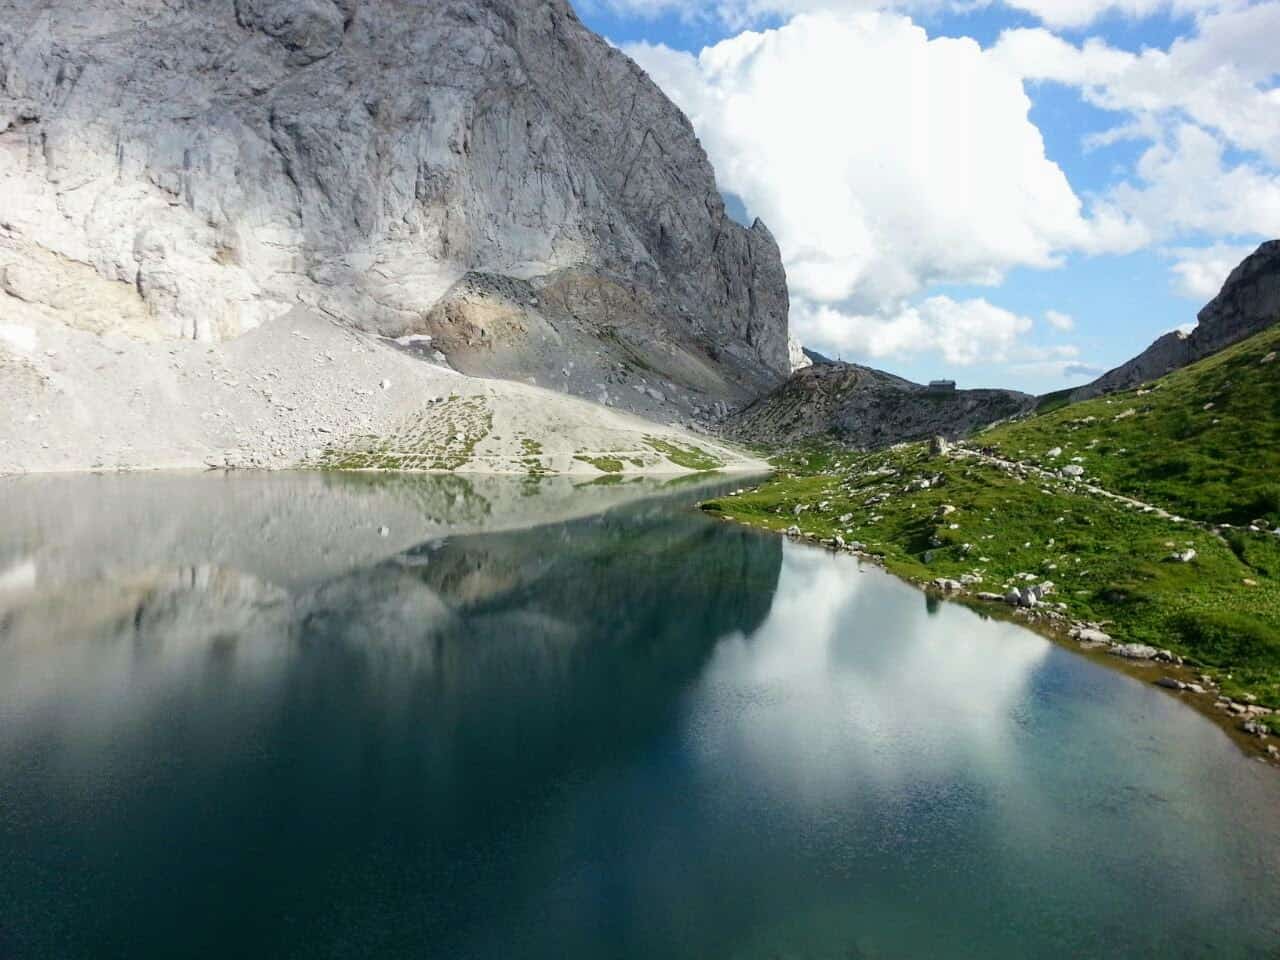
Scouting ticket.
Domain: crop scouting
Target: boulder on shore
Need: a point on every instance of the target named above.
(1135, 651)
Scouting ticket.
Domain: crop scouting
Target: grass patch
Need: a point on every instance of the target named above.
(532, 460)
(603, 464)
(689, 456)
(1203, 442)
(441, 437)
(1054, 401)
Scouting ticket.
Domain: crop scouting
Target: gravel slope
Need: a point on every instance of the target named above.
(287, 393)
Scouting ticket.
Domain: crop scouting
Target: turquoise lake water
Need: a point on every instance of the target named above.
(302, 716)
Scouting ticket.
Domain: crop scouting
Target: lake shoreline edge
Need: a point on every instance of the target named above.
(1060, 633)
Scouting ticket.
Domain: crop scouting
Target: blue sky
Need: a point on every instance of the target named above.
(1024, 209)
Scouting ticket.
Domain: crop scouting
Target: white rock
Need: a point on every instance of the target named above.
(1090, 635)
(1135, 651)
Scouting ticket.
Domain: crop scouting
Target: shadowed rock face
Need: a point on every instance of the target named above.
(1249, 302)
(406, 167)
(869, 409)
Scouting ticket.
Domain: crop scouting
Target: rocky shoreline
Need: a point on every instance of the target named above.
(1237, 717)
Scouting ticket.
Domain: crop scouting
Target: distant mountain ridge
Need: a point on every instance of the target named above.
(1248, 303)
(869, 408)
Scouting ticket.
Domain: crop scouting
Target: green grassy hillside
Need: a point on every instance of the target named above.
(996, 527)
(1204, 441)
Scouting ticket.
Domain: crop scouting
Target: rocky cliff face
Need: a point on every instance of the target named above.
(484, 172)
(869, 409)
(1249, 302)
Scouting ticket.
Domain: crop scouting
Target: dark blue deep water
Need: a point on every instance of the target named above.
(310, 717)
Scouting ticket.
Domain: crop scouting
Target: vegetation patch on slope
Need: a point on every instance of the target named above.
(690, 456)
(1203, 441)
(443, 437)
(603, 464)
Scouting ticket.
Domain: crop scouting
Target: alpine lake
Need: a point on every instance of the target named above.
(334, 716)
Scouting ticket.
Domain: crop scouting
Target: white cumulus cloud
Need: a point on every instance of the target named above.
(1200, 272)
(1221, 77)
(1184, 187)
(884, 161)
(962, 332)
(1209, 109)
(1060, 321)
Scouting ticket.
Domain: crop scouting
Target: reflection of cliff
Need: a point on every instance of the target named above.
(510, 657)
(417, 715)
(293, 530)
(172, 613)
(536, 650)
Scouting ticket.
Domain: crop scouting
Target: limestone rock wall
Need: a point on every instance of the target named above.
(204, 165)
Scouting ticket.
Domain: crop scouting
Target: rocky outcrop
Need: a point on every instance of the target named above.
(487, 172)
(1249, 302)
(869, 409)
(799, 358)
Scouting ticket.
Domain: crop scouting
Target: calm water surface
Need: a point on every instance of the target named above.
(298, 716)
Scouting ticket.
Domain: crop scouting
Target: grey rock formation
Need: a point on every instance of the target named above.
(486, 171)
(869, 409)
(1249, 302)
